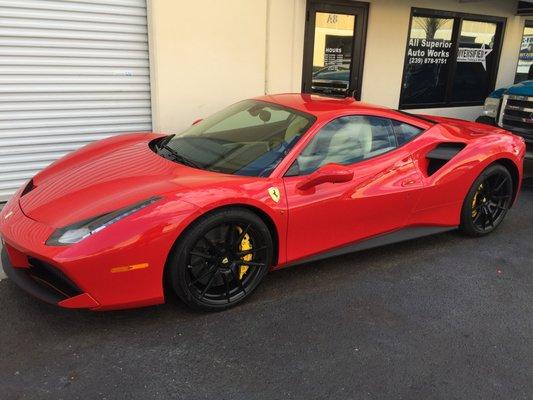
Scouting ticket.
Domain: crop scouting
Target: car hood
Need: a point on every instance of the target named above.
(498, 93)
(104, 177)
(524, 88)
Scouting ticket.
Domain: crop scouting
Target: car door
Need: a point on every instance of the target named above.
(378, 198)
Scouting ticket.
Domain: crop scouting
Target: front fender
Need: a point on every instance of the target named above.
(255, 197)
(99, 264)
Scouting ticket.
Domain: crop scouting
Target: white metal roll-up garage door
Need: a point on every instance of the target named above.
(71, 72)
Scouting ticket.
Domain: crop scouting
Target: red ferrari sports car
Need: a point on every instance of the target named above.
(263, 184)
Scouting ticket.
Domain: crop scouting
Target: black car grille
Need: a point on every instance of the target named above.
(51, 277)
(516, 115)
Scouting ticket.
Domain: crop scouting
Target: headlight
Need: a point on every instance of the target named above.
(490, 109)
(76, 232)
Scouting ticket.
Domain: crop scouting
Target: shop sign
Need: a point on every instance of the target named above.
(338, 50)
(428, 51)
(468, 54)
(526, 50)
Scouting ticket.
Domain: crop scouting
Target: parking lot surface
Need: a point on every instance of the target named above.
(444, 317)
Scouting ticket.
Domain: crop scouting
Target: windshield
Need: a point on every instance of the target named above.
(248, 138)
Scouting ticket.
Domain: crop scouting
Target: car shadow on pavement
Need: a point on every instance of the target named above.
(278, 286)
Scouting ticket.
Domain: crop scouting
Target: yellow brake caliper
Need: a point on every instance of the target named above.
(474, 201)
(245, 245)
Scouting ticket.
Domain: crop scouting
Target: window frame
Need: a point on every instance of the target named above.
(349, 7)
(458, 18)
(389, 119)
(394, 131)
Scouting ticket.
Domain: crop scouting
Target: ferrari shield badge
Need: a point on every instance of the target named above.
(274, 194)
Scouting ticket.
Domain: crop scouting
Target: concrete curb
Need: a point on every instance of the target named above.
(2, 274)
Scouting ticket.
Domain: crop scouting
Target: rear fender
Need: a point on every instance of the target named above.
(446, 187)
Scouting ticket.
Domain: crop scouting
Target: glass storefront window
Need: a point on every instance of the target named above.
(332, 53)
(475, 58)
(428, 60)
(334, 46)
(451, 59)
(525, 59)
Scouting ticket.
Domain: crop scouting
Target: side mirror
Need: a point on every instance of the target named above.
(332, 173)
(197, 121)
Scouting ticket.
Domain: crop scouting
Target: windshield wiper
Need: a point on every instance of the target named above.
(164, 141)
(163, 144)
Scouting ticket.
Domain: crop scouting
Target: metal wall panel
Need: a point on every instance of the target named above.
(71, 72)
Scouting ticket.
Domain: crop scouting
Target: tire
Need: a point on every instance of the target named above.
(207, 268)
(487, 202)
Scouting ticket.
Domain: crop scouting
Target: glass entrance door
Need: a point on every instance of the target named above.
(333, 52)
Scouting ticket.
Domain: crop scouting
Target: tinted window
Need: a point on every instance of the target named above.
(332, 53)
(248, 138)
(475, 58)
(346, 140)
(525, 58)
(451, 59)
(405, 132)
(427, 60)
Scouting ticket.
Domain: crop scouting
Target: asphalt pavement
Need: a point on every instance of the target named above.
(444, 317)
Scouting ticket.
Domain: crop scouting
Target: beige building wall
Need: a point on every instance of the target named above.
(286, 25)
(388, 28)
(207, 54)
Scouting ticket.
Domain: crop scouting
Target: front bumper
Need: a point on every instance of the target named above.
(47, 283)
(528, 160)
(84, 275)
(29, 263)
(483, 119)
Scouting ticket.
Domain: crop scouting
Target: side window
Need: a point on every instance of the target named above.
(405, 132)
(346, 140)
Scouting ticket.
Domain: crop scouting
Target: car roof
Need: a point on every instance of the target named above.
(318, 104)
(322, 106)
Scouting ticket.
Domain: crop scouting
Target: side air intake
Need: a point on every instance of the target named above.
(440, 155)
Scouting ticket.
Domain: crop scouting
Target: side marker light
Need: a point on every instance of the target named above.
(128, 268)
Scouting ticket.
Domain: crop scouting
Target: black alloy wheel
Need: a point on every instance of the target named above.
(221, 259)
(488, 201)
